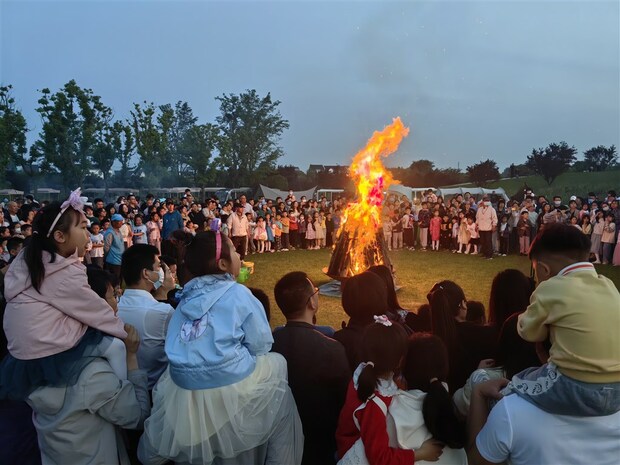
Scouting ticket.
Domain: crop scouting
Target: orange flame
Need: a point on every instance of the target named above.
(362, 219)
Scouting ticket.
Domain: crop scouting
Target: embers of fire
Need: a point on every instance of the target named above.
(344, 264)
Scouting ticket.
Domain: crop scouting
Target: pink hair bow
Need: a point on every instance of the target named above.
(74, 201)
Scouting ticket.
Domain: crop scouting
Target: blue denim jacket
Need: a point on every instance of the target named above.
(215, 334)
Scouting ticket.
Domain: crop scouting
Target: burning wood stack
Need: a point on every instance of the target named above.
(360, 242)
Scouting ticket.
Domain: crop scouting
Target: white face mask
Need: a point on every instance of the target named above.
(487, 204)
(160, 280)
(18, 231)
(557, 203)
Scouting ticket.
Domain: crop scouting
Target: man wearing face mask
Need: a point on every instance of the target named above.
(486, 218)
(142, 272)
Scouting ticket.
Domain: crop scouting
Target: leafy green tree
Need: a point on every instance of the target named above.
(72, 119)
(125, 152)
(13, 130)
(446, 177)
(421, 173)
(483, 172)
(114, 143)
(196, 150)
(179, 122)
(552, 161)
(251, 127)
(600, 158)
(149, 142)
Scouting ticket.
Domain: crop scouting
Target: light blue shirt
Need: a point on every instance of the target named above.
(150, 318)
(215, 334)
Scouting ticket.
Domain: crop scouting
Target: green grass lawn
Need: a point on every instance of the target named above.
(416, 272)
(566, 184)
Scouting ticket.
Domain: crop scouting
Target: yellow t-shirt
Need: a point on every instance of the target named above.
(581, 311)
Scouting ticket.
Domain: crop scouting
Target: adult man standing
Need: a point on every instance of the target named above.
(196, 216)
(318, 371)
(238, 230)
(172, 221)
(114, 246)
(247, 208)
(486, 218)
(142, 272)
(11, 213)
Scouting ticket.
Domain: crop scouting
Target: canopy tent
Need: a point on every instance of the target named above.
(475, 191)
(412, 193)
(272, 194)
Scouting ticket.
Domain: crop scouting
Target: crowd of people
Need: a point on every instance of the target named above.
(162, 357)
(489, 226)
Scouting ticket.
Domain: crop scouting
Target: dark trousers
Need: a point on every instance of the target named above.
(486, 243)
(294, 238)
(408, 237)
(285, 241)
(240, 243)
(97, 261)
(503, 245)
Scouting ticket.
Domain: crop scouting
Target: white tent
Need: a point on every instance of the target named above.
(475, 191)
(272, 194)
(412, 193)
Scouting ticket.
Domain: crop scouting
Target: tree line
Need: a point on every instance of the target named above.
(82, 143)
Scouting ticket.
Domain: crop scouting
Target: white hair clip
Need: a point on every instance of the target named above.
(383, 320)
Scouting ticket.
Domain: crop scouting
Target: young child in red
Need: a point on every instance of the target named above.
(362, 435)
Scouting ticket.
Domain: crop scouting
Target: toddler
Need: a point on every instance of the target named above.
(578, 310)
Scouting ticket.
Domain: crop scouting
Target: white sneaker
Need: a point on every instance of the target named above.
(458, 251)
(466, 253)
(284, 250)
(474, 253)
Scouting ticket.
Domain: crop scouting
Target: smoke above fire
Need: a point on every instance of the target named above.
(362, 218)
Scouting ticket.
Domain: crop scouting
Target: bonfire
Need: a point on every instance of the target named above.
(360, 243)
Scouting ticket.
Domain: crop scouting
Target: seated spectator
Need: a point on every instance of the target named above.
(318, 370)
(421, 321)
(362, 433)
(166, 292)
(513, 356)
(467, 343)
(510, 294)
(395, 311)
(363, 296)
(263, 298)
(426, 410)
(476, 313)
(142, 272)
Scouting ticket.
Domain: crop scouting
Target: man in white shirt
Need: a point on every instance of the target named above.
(247, 207)
(520, 433)
(142, 273)
(486, 219)
(238, 230)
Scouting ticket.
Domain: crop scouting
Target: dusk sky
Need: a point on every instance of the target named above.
(473, 80)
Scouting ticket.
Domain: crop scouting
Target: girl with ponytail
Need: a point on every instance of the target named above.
(225, 397)
(426, 409)
(54, 321)
(362, 433)
(81, 382)
(467, 344)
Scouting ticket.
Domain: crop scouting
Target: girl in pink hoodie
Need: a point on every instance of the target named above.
(54, 322)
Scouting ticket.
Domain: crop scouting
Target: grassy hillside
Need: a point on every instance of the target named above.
(565, 185)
